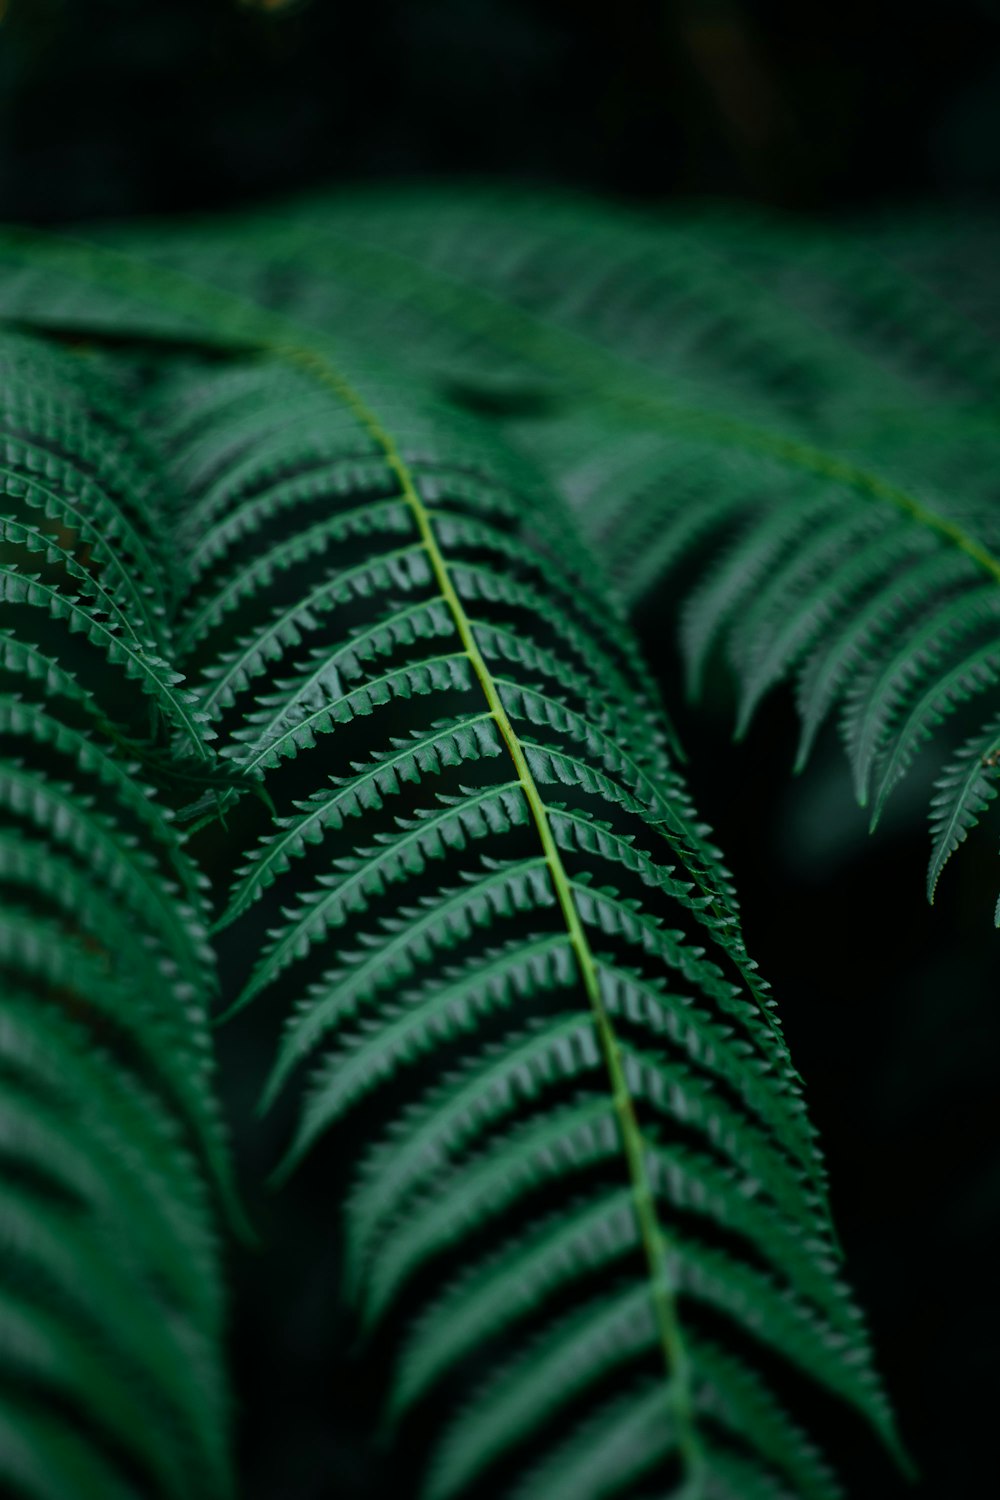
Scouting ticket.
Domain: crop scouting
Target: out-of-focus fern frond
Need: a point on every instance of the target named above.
(110, 1351)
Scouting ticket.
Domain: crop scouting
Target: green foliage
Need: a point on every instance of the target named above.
(497, 955)
(803, 404)
(491, 909)
(112, 1303)
(811, 411)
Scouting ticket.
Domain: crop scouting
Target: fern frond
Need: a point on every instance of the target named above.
(114, 1160)
(495, 897)
(965, 789)
(77, 536)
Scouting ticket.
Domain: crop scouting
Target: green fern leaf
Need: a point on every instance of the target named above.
(470, 866)
(965, 789)
(112, 1309)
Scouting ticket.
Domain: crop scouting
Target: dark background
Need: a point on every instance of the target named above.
(160, 105)
(114, 106)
